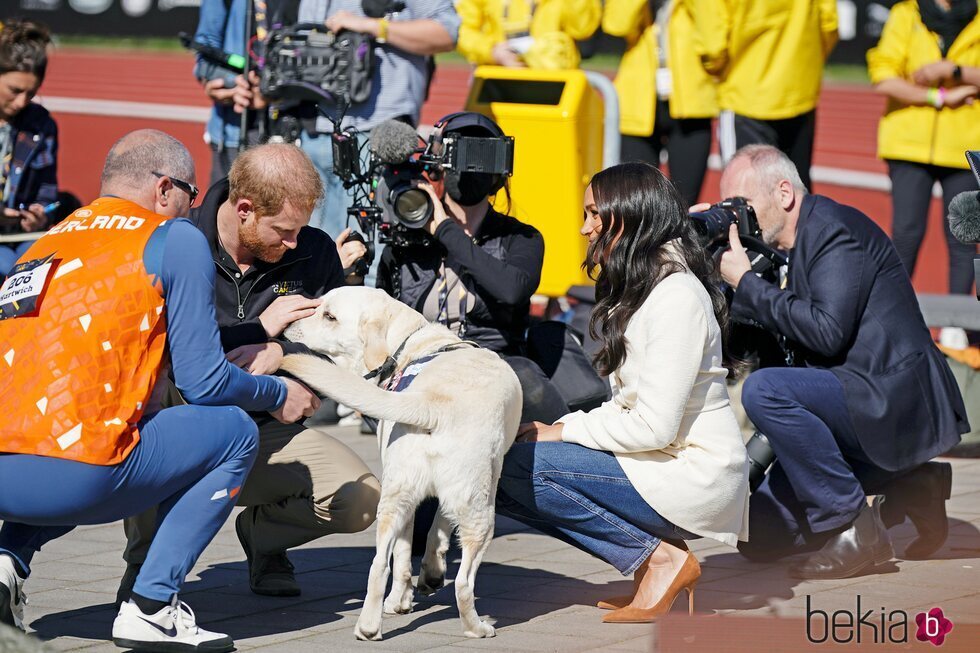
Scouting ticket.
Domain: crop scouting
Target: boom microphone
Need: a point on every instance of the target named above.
(393, 142)
(964, 217)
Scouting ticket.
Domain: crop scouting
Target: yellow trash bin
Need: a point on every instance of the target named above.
(556, 119)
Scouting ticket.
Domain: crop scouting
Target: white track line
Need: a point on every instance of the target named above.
(120, 108)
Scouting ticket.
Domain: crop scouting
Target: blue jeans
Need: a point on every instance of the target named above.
(192, 460)
(10, 253)
(582, 496)
(816, 486)
(330, 215)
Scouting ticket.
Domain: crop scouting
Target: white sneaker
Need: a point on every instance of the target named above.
(12, 597)
(173, 629)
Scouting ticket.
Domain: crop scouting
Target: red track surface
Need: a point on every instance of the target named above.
(846, 130)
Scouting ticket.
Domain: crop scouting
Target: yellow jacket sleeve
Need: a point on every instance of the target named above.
(712, 26)
(580, 18)
(828, 25)
(625, 18)
(887, 59)
(474, 43)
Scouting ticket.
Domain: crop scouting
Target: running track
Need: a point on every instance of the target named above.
(97, 97)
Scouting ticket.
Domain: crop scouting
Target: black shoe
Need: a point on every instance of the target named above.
(862, 546)
(268, 575)
(920, 495)
(127, 582)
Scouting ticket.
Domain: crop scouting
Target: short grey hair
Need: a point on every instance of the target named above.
(771, 166)
(137, 155)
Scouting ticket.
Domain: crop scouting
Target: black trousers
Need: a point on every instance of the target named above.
(911, 195)
(688, 144)
(794, 136)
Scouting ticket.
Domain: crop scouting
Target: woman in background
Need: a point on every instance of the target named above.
(927, 63)
(666, 99)
(525, 33)
(28, 138)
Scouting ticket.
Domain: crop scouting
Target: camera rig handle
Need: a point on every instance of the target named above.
(753, 244)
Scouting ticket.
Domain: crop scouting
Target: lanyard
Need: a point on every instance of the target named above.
(444, 300)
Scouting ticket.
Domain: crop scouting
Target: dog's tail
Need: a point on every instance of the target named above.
(349, 389)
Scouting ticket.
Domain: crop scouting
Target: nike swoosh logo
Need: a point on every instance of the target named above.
(169, 632)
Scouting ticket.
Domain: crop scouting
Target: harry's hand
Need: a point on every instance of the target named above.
(284, 311)
(263, 358)
(734, 261)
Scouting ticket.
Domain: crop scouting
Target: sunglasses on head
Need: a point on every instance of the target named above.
(189, 188)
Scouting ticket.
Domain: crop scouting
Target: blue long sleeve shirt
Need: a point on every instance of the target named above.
(178, 254)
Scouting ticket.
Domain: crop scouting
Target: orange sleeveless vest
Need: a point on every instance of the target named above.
(82, 337)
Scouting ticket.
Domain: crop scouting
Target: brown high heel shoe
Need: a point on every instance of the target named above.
(618, 602)
(686, 579)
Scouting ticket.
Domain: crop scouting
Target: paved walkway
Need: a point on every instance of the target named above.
(539, 591)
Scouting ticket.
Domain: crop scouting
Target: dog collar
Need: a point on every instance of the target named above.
(388, 367)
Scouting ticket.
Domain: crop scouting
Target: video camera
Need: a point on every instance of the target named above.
(387, 198)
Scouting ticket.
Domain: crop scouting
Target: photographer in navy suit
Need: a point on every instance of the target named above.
(870, 400)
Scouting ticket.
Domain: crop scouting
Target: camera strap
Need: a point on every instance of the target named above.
(464, 295)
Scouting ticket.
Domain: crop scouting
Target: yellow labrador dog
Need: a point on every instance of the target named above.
(449, 412)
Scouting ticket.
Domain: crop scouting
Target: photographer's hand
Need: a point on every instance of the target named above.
(284, 311)
(215, 90)
(246, 93)
(438, 210)
(734, 261)
(349, 251)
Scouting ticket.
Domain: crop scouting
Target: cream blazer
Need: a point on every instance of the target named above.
(669, 422)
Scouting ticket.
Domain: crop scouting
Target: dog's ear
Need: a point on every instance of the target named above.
(374, 328)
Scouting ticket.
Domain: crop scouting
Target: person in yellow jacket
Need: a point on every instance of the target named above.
(666, 99)
(525, 33)
(768, 58)
(927, 63)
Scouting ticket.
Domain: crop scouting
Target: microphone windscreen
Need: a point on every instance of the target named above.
(393, 141)
(964, 217)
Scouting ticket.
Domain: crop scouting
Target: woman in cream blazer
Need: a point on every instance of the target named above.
(662, 461)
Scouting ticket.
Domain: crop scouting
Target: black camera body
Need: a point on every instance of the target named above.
(713, 224)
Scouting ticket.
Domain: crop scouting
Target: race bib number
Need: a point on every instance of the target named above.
(22, 292)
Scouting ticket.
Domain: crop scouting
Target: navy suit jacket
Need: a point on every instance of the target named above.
(849, 307)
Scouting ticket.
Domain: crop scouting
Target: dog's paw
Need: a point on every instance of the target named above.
(367, 635)
(428, 586)
(483, 629)
(398, 604)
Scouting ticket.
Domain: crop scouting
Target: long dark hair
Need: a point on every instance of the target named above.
(640, 211)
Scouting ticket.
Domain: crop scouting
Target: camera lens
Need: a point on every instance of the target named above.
(712, 225)
(412, 206)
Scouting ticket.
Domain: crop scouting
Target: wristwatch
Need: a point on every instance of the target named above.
(957, 73)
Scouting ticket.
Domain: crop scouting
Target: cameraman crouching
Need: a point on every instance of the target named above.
(875, 399)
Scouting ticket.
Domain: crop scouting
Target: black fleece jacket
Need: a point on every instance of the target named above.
(500, 265)
(311, 269)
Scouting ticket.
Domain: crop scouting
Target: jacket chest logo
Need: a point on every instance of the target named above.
(287, 287)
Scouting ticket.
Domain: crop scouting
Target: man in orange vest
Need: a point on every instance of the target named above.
(94, 318)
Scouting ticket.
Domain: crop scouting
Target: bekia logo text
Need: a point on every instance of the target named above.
(878, 627)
